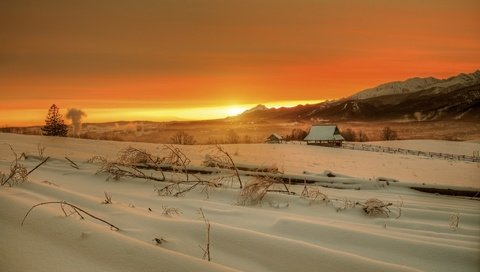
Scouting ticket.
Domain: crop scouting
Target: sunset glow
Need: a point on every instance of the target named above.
(169, 60)
(32, 117)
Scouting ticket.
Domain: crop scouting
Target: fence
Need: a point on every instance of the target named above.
(393, 150)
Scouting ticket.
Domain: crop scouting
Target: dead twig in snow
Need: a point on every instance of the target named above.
(159, 241)
(170, 211)
(117, 171)
(40, 149)
(400, 206)
(72, 163)
(75, 208)
(40, 164)
(108, 198)
(169, 190)
(206, 250)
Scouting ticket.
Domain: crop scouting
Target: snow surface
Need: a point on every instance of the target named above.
(447, 147)
(285, 233)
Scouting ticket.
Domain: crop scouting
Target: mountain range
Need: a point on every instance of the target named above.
(415, 99)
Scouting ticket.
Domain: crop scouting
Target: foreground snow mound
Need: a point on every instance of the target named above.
(311, 229)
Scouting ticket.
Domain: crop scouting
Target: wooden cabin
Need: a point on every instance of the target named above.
(325, 135)
(274, 139)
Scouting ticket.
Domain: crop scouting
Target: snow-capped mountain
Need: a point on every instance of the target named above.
(417, 84)
(416, 99)
(258, 107)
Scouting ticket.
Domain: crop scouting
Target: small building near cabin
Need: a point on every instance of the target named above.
(325, 135)
(274, 139)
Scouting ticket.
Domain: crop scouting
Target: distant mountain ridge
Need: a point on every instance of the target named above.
(417, 84)
(258, 107)
(415, 99)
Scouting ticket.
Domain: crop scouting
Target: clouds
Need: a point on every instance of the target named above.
(217, 46)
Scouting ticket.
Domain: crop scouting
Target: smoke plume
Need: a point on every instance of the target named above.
(76, 116)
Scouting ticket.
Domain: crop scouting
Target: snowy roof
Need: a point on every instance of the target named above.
(275, 135)
(324, 133)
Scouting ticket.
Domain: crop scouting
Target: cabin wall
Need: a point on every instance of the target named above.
(326, 143)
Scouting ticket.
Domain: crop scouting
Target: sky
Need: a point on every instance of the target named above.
(202, 59)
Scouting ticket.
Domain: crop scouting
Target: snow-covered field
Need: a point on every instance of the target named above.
(423, 232)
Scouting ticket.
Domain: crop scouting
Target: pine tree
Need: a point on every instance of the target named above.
(54, 123)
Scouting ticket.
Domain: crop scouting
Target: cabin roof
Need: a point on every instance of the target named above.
(276, 136)
(324, 133)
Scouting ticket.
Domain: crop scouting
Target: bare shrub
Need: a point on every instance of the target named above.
(297, 134)
(346, 204)
(389, 134)
(454, 220)
(349, 135)
(128, 164)
(232, 137)
(256, 189)
(97, 159)
(132, 156)
(376, 207)
(247, 139)
(214, 141)
(18, 172)
(362, 137)
(222, 159)
(182, 138)
(313, 195)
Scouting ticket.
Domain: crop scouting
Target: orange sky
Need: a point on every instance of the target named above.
(159, 58)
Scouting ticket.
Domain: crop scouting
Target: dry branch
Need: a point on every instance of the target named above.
(40, 150)
(35, 168)
(75, 208)
(72, 163)
(174, 189)
(222, 159)
(177, 157)
(206, 250)
(130, 160)
(108, 198)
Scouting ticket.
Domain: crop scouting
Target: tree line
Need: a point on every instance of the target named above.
(55, 126)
